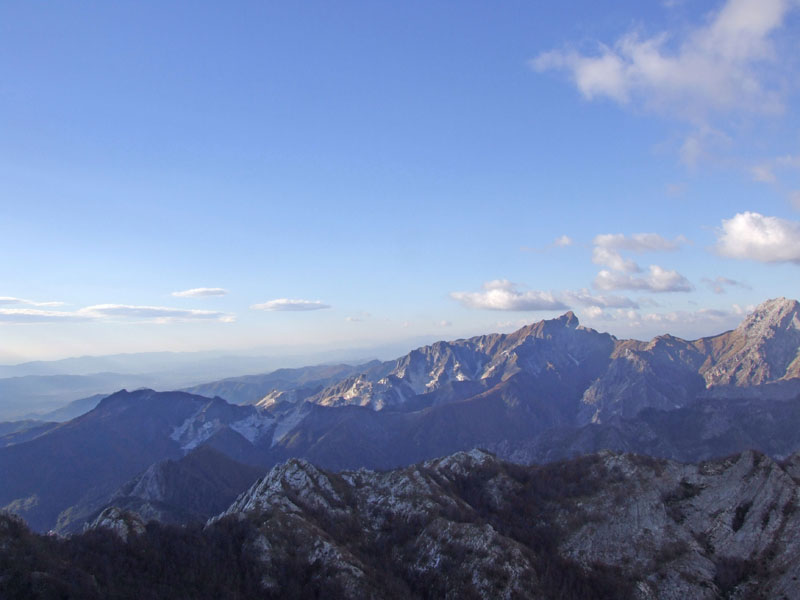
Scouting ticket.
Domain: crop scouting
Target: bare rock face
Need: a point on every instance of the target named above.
(556, 347)
(608, 525)
(611, 378)
(764, 348)
(662, 374)
(122, 523)
(668, 372)
(470, 525)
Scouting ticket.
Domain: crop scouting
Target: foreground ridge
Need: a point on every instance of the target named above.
(608, 525)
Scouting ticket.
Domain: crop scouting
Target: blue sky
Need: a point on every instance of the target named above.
(395, 170)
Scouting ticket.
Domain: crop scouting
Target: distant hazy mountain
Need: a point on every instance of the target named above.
(76, 408)
(14, 432)
(22, 397)
(186, 363)
(250, 389)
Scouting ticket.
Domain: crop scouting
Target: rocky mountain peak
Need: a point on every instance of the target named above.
(764, 348)
(569, 320)
(547, 327)
(771, 317)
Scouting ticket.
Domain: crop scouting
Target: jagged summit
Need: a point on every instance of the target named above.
(569, 319)
(765, 347)
(771, 316)
(474, 365)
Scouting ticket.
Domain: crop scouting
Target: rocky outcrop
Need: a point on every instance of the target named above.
(763, 349)
(122, 523)
(608, 525)
(557, 349)
(647, 528)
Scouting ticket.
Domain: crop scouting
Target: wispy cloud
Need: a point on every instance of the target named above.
(111, 312)
(703, 315)
(753, 236)
(704, 318)
(763, 173)
(719, 285)
(561, 241)
(35, 315)
(781, 173)
(608, 247)
(717, 66)
(657, 280)
(155, 313)
(639, 242)
(502, 294)
(200, 292)
(287, 304)
(586, 298)
(358, 317)
(728, 66)
(10, 300)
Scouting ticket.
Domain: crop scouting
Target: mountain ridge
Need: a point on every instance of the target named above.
(552, 380)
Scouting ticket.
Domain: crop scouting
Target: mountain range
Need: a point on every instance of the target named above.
(551, 390)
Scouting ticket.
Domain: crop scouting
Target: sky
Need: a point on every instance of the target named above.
(247, 175)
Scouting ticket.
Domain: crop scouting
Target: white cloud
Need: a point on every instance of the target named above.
(6, 300)
(718, 285)
(156, 313)
(200, 292)
(658, 279)
(687, 319)
(753, 236)
(445, 324)
(102, 312)
(607, 249)
(610, 257)
(607, 252)
(287, 304)
(34, 315)
(717, 66)
(638, 242)
(502, 294)
(595, 312)
(682, 317)
(563, 241)
(586, 298)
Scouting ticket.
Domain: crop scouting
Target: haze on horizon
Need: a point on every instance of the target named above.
(316, 176)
